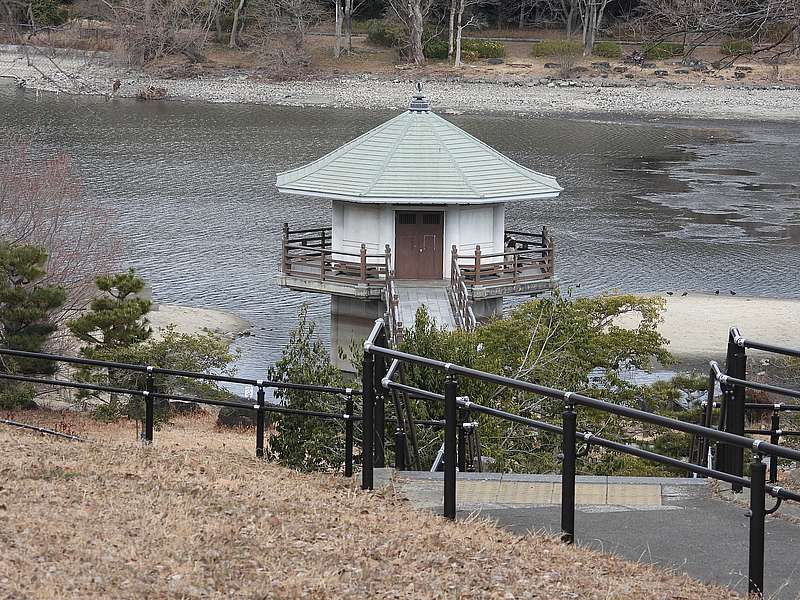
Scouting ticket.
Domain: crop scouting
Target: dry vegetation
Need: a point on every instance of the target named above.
(196, 516)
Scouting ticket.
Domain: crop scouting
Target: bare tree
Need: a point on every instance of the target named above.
(771, 26)
(412, 13)
(41, 203)
(151, 29)
(461, 25)
(237, 15)
(592, 12)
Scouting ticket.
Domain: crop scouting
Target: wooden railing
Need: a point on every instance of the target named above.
(307, 254)
(460, 296)
(527, 257)
(393, 311)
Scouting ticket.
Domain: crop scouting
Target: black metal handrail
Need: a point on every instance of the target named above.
(375, 347)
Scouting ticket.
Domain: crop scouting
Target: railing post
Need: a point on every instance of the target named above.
(450, 408)
(774, 438)
(387, 252)
(368, 433)
(515, 265)
(349, 408)
(462, 441)
(363, 264)
(285, 253)
(453, 265)
(569, 422)
(477, 264)
(260, 413)
(322, 264)
(149, 406)
(736, 366)
(399, 450)
(379, 371)
(758, 471)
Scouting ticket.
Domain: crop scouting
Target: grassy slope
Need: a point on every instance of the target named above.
(196, 517)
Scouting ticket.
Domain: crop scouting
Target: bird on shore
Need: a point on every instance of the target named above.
(732, 293)
(716, 293)
(684, 294)
(669, 293)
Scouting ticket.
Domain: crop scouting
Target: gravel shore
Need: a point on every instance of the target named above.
(93, 74)
(192, 321)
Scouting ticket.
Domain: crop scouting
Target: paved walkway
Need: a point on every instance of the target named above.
(433, 295)
(675, 523)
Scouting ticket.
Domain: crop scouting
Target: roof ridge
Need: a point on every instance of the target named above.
(380, 171)
(510, 162)
(453, 161)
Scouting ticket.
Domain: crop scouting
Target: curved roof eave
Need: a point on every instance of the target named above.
(421, 199)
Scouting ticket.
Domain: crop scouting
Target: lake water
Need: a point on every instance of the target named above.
(649, 205)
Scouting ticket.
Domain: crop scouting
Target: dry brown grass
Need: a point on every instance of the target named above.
(195, 516)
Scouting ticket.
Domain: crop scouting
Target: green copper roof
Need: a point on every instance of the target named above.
(418, 157)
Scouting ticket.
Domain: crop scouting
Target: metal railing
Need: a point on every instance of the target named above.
(526, 257)
(393, 311)
(307, 254)
(733, 406)
(376, 354)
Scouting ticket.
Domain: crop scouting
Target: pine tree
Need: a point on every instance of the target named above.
(26, 308)
(116, 318)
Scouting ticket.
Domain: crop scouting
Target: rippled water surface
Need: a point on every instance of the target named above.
(648, 206)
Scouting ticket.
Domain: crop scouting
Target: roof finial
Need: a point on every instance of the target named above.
(419, 102)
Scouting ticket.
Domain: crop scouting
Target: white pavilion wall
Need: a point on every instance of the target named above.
(465, 226)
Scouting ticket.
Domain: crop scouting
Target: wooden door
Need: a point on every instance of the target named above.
(419, 244)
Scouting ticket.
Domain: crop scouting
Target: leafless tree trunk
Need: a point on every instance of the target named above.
(412, 13)
(235, 27)
(348, 17)
(338, 18)
(450, 46)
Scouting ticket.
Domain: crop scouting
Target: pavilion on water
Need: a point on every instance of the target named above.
(418, 218)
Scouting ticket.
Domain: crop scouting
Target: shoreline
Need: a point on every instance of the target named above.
(193, 320)
(92, 74)
(697, 325)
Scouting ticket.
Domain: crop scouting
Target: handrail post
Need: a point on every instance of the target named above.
(260, 422)
(387, 252)
(450, 408)
(774, 438)
(349, 409)
(379, 371)
(368, 429)
(149, 406)
(285, 253)
(322, 264)
(569, 421)
(736, 366)
(758, 471)
(363, 263)
(454, 266)
(515, 263)
(399, 450)
(477, 264)
(462, 441)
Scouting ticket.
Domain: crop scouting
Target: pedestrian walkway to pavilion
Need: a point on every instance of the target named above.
(434, 295)
(682, 525)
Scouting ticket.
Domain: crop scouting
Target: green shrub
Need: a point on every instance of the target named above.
(663, 50)
(382, 33)
(436, 49)
(483, 48)
(469, 55)
(607, 50)
(736, 47)
(556, 48)
(47, 12)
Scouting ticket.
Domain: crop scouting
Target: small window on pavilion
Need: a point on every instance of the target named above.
(431, 218)
(407, 219)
